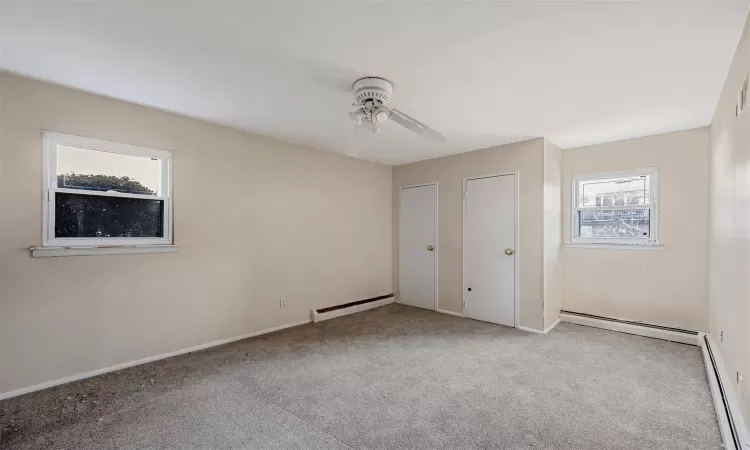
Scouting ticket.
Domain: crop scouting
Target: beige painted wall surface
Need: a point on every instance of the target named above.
(256, 218)
(729, 278)
(668, 287)
(553, 269)
(449, 172)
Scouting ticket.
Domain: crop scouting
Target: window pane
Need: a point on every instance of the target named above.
(96, 216)
(80, 168)
(615, 191)
(618, 223)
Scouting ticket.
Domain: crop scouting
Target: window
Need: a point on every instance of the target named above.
(101, 193)
(616, 208)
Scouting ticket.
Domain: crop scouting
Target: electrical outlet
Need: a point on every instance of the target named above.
(282, 302)
(721, 335)
(742, 97)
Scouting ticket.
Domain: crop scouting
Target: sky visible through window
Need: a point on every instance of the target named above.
(146, 171)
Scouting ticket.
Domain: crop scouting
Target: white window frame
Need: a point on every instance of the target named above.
(51, 140)
(653, 239)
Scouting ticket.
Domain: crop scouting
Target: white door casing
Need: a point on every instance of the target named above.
(489, 232)
(418, 246)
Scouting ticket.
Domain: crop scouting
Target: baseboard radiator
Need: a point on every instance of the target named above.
(331, 312)
(632, 327)
(731, 433)
(728, 411)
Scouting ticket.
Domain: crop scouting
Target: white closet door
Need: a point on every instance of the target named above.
(489, 249)
(417, 242)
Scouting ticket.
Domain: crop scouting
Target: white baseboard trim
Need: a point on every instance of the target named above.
(535, 331)
(318, 317)
(656, 333)
(529, 330)
(728, 410)
(450, 313)
(125, 365)
(554, 324)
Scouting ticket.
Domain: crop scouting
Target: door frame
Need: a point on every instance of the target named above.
(436, 244)
(516, 239)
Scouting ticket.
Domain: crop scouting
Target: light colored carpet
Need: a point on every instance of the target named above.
(393, 377)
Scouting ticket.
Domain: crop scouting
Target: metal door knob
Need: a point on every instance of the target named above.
(430, 248)
(508, 251)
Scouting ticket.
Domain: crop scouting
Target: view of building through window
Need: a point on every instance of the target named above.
(629, 198)
(614, 223)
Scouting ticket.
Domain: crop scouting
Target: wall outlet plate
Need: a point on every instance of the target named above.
(282, 302)
(742, 97)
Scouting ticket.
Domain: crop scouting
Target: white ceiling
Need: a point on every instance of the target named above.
(483, 73)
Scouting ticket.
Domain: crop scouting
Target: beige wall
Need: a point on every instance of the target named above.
(668, 287)
(729, 267)
(553, 269)
(525, 157)
(256, 218)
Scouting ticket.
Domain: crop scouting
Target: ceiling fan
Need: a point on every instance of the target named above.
(370, 109)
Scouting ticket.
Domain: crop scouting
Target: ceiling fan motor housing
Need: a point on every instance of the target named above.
(378, 90)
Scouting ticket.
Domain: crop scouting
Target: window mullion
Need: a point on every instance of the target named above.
(108, 194)
(610, 208)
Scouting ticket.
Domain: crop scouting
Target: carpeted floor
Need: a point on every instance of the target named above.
(393, 377)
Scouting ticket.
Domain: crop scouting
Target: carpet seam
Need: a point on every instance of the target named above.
(315, 426)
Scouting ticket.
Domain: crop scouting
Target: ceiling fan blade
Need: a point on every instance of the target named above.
(416, 126)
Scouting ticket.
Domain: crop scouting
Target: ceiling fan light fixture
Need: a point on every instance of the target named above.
(381, 116)
(357, 116)
(372, 95)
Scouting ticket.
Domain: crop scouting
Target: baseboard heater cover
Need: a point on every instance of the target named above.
(632, 327)
(723, 403)
(630, 322)
(330, 312)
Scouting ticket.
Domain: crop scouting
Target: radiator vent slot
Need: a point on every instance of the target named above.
(329, 312)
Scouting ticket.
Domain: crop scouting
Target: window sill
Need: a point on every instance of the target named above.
(50, 252)
(636, 247)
